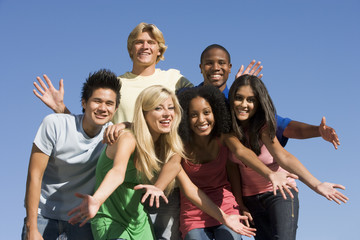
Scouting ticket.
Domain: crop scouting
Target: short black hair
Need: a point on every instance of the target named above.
(103, 78)
(214, 46)
(216, 99)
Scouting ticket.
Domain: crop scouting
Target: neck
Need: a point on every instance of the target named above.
(201, 141)
(90, 130)
(143, 70)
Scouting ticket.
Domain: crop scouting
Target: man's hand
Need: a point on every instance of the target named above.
(251, 69)
(52, 97)
(328, 133)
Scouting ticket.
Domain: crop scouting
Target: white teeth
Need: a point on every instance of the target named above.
(203, 127)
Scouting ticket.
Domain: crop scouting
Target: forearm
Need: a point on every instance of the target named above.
(299, 130)
(199, 198)
(290, 163)
(168, 172)
(113, 179)
(32, 198)
(235, 182)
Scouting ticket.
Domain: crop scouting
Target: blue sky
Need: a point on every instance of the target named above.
(309, 50)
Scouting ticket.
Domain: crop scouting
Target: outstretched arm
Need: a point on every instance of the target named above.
(301, 130)
(52, 97)
(120, 153)
(167, 174)
(249, 158)
(292, 164)
(251, 69)
(37, 166)
(199, 198)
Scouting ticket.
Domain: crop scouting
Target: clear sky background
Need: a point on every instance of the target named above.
(309, 50)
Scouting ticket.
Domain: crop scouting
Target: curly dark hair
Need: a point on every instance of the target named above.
(265, 113)
(218, 105)
(103, 78)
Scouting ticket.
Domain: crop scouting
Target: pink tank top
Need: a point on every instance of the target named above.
(211, 178)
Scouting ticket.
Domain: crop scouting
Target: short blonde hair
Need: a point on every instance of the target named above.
(149, 163)
(156, 34)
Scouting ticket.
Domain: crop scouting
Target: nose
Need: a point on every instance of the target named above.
(166, 112)
(201, 118)
(216, 66)
(145, 44)
(243, 103)
(102, 106)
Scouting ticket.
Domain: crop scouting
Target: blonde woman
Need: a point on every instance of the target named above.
(152, 146)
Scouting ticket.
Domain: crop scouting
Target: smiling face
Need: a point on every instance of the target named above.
(201, 117)
(245, 104)
(215, 68)
(98, 110)
(159, 120)
(145, 50)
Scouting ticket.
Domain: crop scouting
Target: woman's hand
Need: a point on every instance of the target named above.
(85, 211)
(280, 181)
(153, 192)
(328, 190)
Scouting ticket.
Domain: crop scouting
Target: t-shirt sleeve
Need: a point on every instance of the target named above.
(281, 124)
(183, 83)
(45, 138)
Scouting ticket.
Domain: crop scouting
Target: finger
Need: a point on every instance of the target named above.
(248, 68)
(151, 200)
(323, 121)
(61, 85)
(334, 144)
(292, 176)
(157, 202)
(253, 70)
(41, 82)
(335, 199)
(165, 199)
(37, 94)
(73, 211)
(293, 186)
(260, 76)
(339, 186)
(39, 88)
(48, 81)
(79, 195)
(258, 71)
(138, 187)
(289, 192)
(143, 199)
(84, 222)
(239, 73)
(282, 193)
(342, 197)
(247, 223)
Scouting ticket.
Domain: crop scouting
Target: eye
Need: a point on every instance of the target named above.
(238, 98)
(158, 108)
(193, 115)
(251, 100)
(172, 108)
(110, 103)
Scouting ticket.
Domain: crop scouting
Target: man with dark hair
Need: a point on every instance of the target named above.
(215, 66)
(63, 161)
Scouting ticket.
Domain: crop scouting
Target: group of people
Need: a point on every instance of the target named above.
(206, 163)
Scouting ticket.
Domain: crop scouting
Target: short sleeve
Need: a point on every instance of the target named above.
(45, 138)
(281, 124)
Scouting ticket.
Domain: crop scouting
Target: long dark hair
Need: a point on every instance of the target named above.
(265, 113)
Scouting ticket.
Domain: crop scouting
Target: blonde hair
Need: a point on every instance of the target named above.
(155, 32)
(148, 162)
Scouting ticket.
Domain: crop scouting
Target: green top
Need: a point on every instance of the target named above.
(121, 215)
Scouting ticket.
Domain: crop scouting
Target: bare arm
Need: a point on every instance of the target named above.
(300, 130)
(167, 174)
(292, 164)
(199, 199)
(37, 166)
(52, 97)
(120, 153)
(249, 158)
(235, 182)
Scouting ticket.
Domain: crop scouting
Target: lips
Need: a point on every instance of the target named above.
(215, 76)
(165, 123)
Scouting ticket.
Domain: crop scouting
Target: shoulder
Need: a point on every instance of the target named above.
(171, 71)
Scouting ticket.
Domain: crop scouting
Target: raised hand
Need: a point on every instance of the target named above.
(251, 69)
(280, 181)
(328, 190)
(153, 192)
(85, 211)
(52, 97)
(328, 133)
(234, 223)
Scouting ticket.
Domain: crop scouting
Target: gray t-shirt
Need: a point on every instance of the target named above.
(71, 166)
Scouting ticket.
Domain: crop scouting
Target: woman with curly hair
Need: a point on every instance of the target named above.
(205, 123)
(253, 120)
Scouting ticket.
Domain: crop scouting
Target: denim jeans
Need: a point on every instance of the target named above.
(220, 232)
(274, 217)
(52, 229)
(166, 218)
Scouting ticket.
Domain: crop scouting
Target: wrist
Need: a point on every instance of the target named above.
(61, 108)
